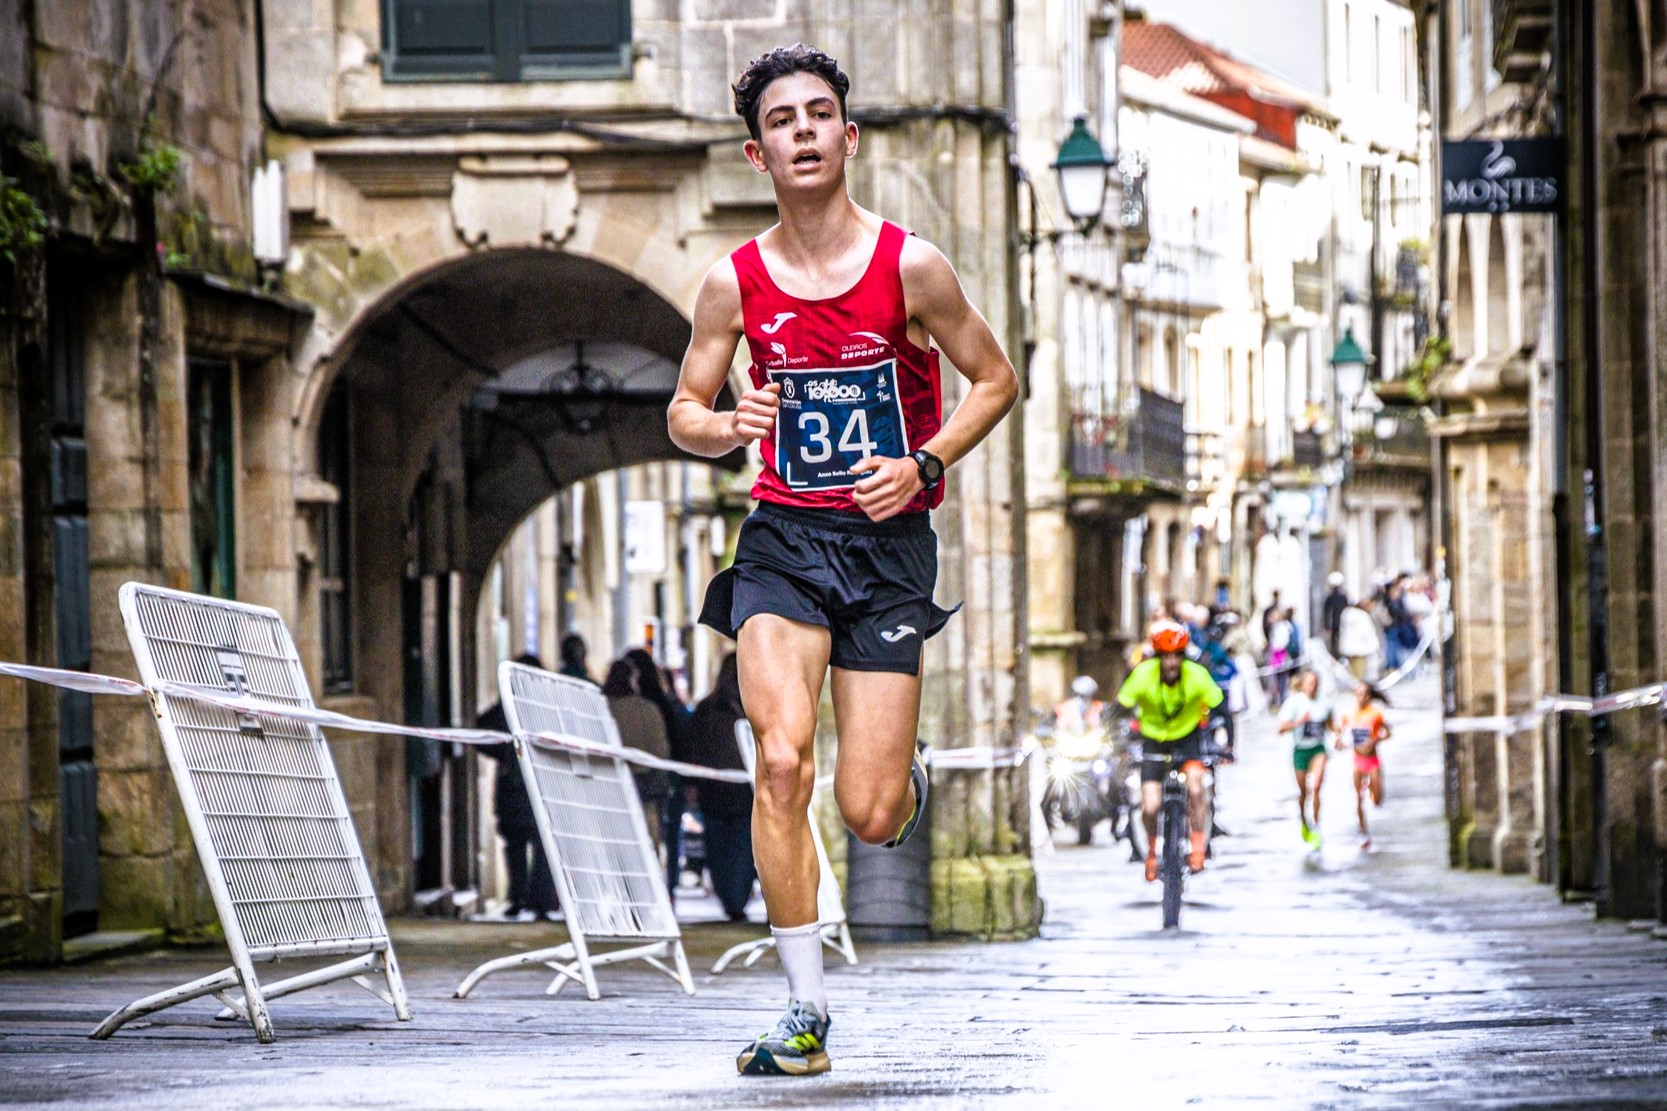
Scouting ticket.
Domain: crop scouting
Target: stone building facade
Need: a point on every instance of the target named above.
(340, 435)
(140, 365)
(1553, 435)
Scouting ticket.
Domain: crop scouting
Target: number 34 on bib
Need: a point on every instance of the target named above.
(831, 419)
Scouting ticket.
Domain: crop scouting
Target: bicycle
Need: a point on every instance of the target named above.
(1172, 818)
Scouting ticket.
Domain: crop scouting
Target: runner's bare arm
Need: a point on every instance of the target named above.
(935, 298)
(693, 424)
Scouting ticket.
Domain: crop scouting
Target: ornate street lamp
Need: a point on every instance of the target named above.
(1082, 166)
(1348, 364)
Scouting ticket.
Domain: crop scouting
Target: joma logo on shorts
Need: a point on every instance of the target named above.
(827, 389)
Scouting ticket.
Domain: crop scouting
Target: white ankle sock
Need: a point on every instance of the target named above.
(800, 950)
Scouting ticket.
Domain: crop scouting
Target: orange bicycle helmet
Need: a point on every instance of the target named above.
(1168, 636)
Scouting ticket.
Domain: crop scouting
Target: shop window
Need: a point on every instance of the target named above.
(506, 40)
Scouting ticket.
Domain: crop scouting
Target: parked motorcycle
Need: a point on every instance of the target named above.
(1082, 786)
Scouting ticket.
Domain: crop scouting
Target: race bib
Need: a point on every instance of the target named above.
(1362, 737)
(832, 419)
(1314, 732)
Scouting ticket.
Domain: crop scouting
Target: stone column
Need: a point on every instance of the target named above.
(1499, 778)
(30, 833)
(1654, 103)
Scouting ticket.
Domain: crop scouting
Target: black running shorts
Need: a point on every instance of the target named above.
(1153, 766)
(869, 583)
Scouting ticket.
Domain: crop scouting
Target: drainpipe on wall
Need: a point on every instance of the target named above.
(1597, 585)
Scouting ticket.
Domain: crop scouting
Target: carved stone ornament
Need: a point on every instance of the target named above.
(516, 201)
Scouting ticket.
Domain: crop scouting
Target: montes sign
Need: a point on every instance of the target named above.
(1496, 176)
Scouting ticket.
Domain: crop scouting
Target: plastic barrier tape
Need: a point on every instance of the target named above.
(959, 759)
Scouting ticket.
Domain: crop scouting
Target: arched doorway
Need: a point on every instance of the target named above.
(456, 405)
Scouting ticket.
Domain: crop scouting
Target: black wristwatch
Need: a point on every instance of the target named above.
(931, 468)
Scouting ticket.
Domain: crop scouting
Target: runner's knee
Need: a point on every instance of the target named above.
(872, 819)
(872, 828)
(787, 775)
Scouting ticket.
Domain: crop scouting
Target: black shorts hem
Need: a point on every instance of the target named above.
(876, 667)
(1189, 748)
(868, 583)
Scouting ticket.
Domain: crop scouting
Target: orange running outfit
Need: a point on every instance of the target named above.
(1364, 728)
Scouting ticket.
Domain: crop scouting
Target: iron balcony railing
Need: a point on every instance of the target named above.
(1134, 435)
(1398, 438)
(1307, 450)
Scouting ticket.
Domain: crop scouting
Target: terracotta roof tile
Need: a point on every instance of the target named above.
(1170, 55)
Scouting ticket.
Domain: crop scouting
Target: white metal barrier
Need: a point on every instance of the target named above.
(830, 904)
(265, 806)
(607, 873)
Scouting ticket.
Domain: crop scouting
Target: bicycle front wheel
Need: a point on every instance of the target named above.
(1172, 868)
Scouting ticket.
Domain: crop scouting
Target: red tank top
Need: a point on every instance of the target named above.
(852, 382)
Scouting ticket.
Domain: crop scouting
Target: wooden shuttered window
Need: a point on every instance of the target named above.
(506, 40)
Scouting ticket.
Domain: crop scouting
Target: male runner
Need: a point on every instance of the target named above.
(1173, 697)
(840, 311)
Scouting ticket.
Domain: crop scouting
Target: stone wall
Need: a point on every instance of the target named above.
(92, 93)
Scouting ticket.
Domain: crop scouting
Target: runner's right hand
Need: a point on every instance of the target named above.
(755, 416)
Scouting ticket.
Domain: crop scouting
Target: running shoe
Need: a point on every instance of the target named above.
(1195, 858)
(1312, 836)
(917, 777)
(1151, 865)
(796, 1046)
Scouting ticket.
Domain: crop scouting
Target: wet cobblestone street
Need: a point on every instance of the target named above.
(1339, 980)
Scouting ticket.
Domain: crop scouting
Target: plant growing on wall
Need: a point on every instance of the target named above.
(155, 169)
(1437, 350)
(22, 222)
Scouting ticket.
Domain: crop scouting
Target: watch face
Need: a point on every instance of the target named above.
(931, 467)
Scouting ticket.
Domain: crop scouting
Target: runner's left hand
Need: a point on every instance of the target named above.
(889, 485)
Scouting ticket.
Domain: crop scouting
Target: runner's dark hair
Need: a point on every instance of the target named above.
(1375, 692)
(780, 62)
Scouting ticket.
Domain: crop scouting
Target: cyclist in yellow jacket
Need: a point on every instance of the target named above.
(1173, 697)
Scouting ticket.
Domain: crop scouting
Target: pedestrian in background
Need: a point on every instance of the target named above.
(643, 728)
(1331, 610)
(679, 724)
(1269, 616)
(725, 808)
(573, 654)
(532, 890)
(1357, 638)
(1401, 635)
(1281, 634)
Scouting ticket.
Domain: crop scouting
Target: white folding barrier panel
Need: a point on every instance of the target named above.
(830, 904)
(266, 810)
(612, 888)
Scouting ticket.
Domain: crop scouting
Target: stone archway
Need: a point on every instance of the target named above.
(475, 390)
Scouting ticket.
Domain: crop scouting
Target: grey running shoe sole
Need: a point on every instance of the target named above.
(756, 1060)
(918, 777)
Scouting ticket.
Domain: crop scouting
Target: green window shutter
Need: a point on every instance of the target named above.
(440, 38)
(577, 36)
(506, 40)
